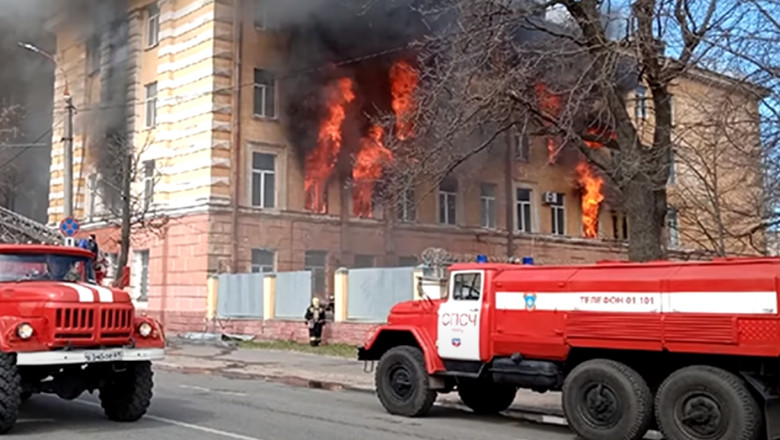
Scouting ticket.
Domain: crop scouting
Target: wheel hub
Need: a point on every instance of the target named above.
(701, 416)
(401, 382)
(600, 406)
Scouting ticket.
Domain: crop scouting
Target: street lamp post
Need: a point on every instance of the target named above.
(67, 138)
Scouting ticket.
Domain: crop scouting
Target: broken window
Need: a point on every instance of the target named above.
(407, 206)
(522, 148)
(314, 261)
(265, 94)
(673, 228)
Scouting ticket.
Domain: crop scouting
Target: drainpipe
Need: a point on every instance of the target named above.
(509, 186)
(238, 40)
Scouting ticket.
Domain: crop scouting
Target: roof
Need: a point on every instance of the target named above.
(617, 264)
(43, 249)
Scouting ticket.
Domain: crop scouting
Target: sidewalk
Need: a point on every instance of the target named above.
(315, 371)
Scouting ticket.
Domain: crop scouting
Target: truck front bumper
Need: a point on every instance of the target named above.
(79, 357)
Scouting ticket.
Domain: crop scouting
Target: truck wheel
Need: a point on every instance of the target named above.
(126, 395)
(10, 392)
(607, 400)
(702, 402)
(402, 382)
(486, 397)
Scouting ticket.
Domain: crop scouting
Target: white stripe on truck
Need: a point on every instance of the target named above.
(749, 303)
(86, 295)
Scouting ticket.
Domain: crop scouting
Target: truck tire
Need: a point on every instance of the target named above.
(126, 395)
(703, 402)
(402, 382)
(607, 400)
(10, 392)
(486, 397)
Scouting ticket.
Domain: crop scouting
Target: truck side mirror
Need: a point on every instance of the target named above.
(124, 278)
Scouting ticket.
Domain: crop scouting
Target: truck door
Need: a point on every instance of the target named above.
(459, 317)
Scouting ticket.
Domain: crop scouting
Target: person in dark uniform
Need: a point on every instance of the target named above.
(93, 246)
(315, 317)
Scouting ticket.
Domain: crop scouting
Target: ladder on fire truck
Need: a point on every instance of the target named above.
(16, 228)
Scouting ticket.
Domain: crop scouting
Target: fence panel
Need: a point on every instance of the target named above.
(240, 296)
(293, 294)
(372, 292)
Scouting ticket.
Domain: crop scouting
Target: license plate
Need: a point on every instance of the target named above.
(104, 356)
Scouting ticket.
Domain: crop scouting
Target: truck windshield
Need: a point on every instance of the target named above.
(49, 267)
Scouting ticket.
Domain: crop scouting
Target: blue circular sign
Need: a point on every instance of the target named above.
(69, 226)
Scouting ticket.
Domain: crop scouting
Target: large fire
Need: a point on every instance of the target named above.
(592, 187)
(403, 82)
(550, 104)
(369, 164)
(321, 161)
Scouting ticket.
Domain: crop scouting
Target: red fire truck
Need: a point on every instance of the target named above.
(690, 348)
(63, 333)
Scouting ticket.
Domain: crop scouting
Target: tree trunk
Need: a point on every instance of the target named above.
(646, 211)
(124, 244)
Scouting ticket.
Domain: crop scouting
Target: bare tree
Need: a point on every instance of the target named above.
(560, 69)
(126, 186)
(10, 120)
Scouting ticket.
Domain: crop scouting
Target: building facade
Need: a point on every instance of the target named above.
(200, 104)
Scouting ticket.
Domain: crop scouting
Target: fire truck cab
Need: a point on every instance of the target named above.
(692, 349)
(63, 333)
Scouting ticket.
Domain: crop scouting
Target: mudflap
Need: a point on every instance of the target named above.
(768, 390)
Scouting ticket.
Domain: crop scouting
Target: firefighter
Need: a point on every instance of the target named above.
(315, 317)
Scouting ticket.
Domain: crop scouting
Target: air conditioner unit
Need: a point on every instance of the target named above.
(550, 197)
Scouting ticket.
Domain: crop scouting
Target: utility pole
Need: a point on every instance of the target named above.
(68, 157)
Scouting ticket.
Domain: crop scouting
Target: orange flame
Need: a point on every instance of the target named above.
(591, 199)
(550, 104)
(596, 132)
(403, 83)
(321, 161)
(367, 170)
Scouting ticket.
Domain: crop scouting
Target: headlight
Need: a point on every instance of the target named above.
(25, 331)
(145, 329)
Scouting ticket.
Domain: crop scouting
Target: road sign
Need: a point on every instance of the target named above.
(69, 226)
(70, 241)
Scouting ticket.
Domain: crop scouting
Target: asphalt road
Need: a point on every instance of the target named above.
(202, 407)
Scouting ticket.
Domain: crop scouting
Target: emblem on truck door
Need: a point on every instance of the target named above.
(456, 342)
(530, 301)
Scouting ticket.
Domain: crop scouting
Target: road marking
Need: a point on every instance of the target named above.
(35, 421)
(190, 387)
(205, 429)
(232, 393)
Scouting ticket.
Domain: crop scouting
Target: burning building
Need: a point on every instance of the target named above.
(257, 131)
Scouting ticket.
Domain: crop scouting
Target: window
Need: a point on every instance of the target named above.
(672, 169)
(261, 14)
(148, 183)
(447, 200)
(153, 26)
(263, 180)
(150, 103)
(467, 286)
(262, 261)
(487, 200)
(640, 99)
(407, 211)
(93, 55)
(314, 261)
(407, 261)
(522, 148)
(142, 269)
(523, 205)
(619, 226)
(265, 94)
(673, 227)
(558, 215)
(671, 109)
(363, 261)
